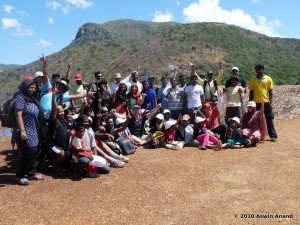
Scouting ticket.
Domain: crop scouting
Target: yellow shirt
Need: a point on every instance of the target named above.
(261, 88)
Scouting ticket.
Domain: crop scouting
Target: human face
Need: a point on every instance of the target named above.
(233, 82)
(146, 85)
(250, 108)
(165, 82)
(136, 111)
(110, 123)
(134, 89)
(135, 77)
(232, 125)
(31, 89)
(185, 123)
(183, 80)
(210, 77)
(194, 81)
(122, 88)
(259, 71)
(99, 76)
(86, 123)
(60, 112)
(117, 80)
(174, 82)
(235, 73)
(167, 116)
(207, 112)
(79, 82)
(80, 133)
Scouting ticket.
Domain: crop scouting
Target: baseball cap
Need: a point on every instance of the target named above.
(186, 117)
(28, 77)
(170, 123)
(166, 111)
(199, 119)
(206, 105)
(235, 119)
(120, 120)
(210, 72)
(78, 76)
(118, 75)
(136, 107)
(38, 74)
(251, 104)
(160, 116)
(235, 68)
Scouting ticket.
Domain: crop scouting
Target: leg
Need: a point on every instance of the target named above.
(269, 118)
(221, 130)
(28, 160)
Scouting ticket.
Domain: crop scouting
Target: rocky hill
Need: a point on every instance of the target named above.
(120, 46)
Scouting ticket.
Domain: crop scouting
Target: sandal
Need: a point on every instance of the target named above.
(22, 181)
(36, 177)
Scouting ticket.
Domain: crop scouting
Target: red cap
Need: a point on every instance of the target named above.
(206, 105)
(27, 77)
(78, 76)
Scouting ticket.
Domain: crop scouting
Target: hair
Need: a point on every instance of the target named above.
(103, 81)
(78, 128)
(193, 76)
(55, 75)
(97, 73)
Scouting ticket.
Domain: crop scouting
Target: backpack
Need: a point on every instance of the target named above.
(8, 115)
(125, 145)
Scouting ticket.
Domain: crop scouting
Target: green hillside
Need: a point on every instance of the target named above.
(122, 45)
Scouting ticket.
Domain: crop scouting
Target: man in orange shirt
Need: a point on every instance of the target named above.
(212, 121)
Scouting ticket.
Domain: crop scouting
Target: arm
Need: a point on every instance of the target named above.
(19, 119)
(271, 97)
(125, 125)
(54, 104)
(89, 95)
(153, 112)
(45, 73)
(68, 71)
(220, 73)
(251, 95)
(262, 109)
(113, 97)
(202, 99)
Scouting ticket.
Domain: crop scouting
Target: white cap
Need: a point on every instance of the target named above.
(38, 74)
(236, 119)
(235, 68)
(199, 119)
(251, 104)
(166, 111)
(120, 120)
(160, 116)
(169, 124)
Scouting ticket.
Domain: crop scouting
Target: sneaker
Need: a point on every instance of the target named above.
(22, 181)
(93, 174)
(273, 139)
(36, 177)
(123, 158)
(226, 145)
(117, 163)
(202, 148)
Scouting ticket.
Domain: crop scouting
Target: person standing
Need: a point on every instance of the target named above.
(28, 131)
(261, 89)
(115, 86)
(80, 87)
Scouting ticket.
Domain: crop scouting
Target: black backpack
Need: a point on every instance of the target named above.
(126, 145)
(8, 115)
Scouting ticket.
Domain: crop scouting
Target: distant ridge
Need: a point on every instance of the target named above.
(122, 45)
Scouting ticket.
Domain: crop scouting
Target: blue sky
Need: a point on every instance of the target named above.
(30, 28)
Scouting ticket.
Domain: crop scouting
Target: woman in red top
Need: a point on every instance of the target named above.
(212, 121)
(119, 97)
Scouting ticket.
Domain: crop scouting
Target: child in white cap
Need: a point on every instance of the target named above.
(235, 135)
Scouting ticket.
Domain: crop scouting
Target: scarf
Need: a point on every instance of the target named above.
(135, 95)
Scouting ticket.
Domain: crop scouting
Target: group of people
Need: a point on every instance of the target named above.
(83, 125)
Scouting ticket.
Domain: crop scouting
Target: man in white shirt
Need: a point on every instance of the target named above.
(194, 97)
(115, 86)
(134, 79)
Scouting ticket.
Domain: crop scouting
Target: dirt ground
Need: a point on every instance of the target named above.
(162, 186)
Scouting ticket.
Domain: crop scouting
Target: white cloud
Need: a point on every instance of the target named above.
(178, 3)
(8, 8)
(80, 3)
(21, 32)
(50, 20)
(162, 17)
(43, 43)
(210, 11)
(10, 23)
(255, 1)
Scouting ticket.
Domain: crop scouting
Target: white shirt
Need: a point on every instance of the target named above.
(114, 87)
(194, 96)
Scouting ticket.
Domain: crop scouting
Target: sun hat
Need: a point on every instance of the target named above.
(235, 68)
(199, 119)
(78, 76)
(251, 104)
(186, 117)
(63, 84)
(38, 74)
(160, 116)
(118, 75)
(134, 72)
(166, 111)
(235, 119)
(170, 123)
(120, 120)
(104, 109)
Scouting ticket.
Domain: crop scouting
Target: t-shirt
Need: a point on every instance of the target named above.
(78, 89)
(194, 95)
(261, 88)
(136, 127)
(46, 99)
(212, 121)
(234, 97)
(170, 135)
(161, 95)
(175, 100)
(58, 132)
